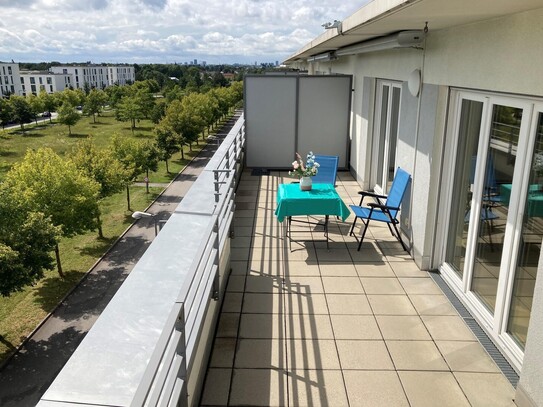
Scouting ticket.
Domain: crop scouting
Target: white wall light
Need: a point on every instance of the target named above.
(414, 82)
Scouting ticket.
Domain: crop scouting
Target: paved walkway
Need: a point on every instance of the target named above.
(30, 372)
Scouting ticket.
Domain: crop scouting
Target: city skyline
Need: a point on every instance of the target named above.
(163, 31)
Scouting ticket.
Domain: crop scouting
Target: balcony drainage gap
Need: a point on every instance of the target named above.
(479, 333)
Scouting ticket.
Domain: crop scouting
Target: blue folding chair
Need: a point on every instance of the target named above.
(327, 170)
(383, 212)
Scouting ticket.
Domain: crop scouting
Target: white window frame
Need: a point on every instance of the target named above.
(494, 324)
(378, 183)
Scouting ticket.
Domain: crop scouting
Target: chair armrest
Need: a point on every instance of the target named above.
(371, 194)
(384, 207)
(364, 194)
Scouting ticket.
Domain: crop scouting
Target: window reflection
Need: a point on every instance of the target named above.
(499, 168)
(530, 246)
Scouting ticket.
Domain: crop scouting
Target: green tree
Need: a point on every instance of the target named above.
(146, 102)
(219, 80)
(149, 155)
(96, 99)
(221, 95)
(36, 106)
(136, 158)
(191, 118)
(159, 111)
(20, 110)
(68, 116)
(5, 112)
(174, 120)
(129, 109)
(167, 142)
(116, 93)
(49, 102)
(45, 182)
(174, 93)
(236, 89)
(27, 240)
(72, 97)
(103, 167)
(207, 109)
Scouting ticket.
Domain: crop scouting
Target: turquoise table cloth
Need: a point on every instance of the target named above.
(321, 200)
(535, 199)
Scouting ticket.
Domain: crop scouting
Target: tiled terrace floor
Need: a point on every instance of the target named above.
(340, 327)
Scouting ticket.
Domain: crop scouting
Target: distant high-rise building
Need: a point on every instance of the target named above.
(195, 62)
(204, 63)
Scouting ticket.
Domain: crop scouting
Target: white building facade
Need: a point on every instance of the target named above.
(10, 80)
(97, 76)
(460, 109)
(33, 82)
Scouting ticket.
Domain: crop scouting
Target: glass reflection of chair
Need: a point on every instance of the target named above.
(491, 196)
(491, 190)
(328, 169)
(380, 211)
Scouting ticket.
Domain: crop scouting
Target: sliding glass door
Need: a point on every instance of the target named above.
(386, 135)
(495, 221)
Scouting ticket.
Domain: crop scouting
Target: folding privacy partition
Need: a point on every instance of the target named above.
(287, 114)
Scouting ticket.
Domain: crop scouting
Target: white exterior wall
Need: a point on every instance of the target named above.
(51, 82)
(10, 83)
(530, 388)
(121, 75)
(97, 76)
(501, 55)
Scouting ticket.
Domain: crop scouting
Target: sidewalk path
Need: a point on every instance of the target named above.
(30, 372)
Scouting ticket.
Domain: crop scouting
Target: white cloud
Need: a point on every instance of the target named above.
(224, 31)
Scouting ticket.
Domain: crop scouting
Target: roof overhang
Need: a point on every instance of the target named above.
(383, 17)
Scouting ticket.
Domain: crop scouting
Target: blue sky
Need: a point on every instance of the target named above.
(162, 31)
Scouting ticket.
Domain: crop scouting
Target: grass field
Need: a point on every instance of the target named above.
(14, 143)
(21, 312)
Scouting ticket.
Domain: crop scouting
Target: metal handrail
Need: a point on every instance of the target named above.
(167, 373)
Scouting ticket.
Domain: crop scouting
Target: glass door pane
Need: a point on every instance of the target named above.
(469, 129)
(387, 119)
(383, 125)
(494, 202)
(530, 246)
(393, 136)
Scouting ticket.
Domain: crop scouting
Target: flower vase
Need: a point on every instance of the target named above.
(306, 183)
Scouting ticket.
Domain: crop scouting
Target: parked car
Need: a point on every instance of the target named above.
(46, 114)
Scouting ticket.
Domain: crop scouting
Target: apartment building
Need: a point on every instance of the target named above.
(14, 81)
(97, 76)
(33, 82)
(10, 81)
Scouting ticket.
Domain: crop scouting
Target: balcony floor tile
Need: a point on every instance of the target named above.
(306, 325)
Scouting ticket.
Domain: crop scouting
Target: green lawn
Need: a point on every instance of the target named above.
(21, 312)
(14, 143)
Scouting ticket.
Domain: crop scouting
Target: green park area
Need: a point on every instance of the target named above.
(23, 308)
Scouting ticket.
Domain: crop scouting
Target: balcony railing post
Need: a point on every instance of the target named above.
(217, 185)
(182, 352)
(216, 260)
